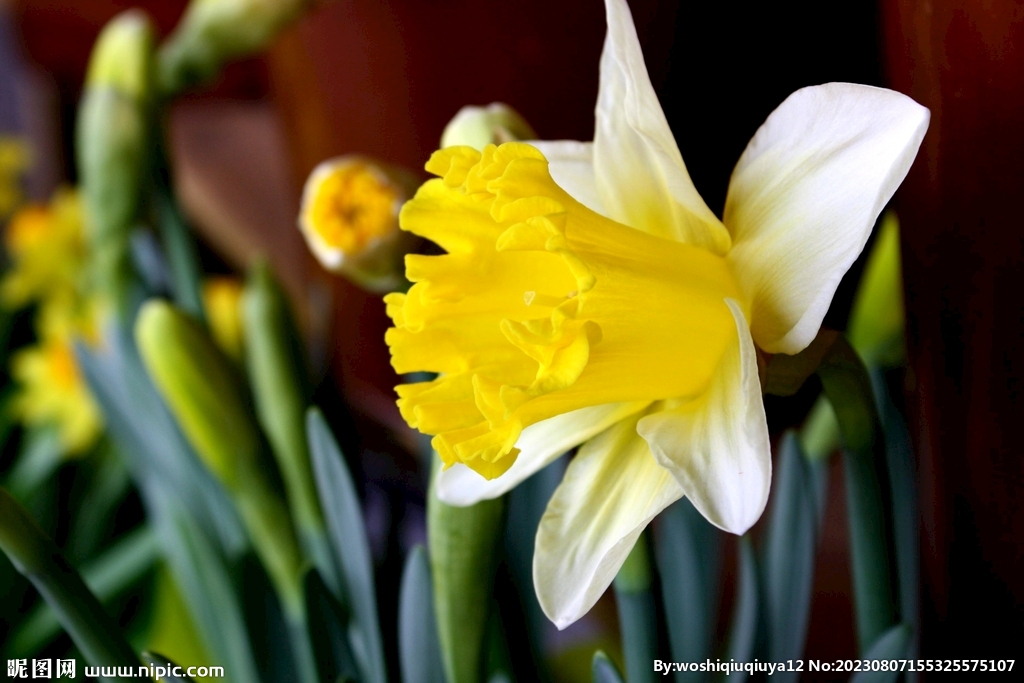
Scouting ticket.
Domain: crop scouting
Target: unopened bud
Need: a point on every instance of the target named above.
(213, 32)
(112, 142)
(200, 389)
(349, 218)
(478, 127)
(876, 323)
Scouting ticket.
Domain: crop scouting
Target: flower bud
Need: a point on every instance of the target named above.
(478, 127)
(203, 394)
(112, 142)
(349, 218)
(200, 389)
(213, 32)
(877, 318)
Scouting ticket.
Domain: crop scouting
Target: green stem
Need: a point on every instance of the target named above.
(38, 558)
(848, 388)
(637, 616)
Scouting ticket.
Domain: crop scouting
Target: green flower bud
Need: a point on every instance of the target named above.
(877, 318)
(112, 143)
(202, 392)
(213, 32)
(481, 126)
(200, 388)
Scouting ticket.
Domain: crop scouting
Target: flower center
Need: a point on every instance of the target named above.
(352, 206)
(542, 306)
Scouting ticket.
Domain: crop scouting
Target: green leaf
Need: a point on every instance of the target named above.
(686, 549)
(106, 576)
(186, 274)
(39, 456)
(419, 650)
(746, 613)
(896, 643)
(789, 551)
(603, 669)
(199, 530)
(276, 368)
(164, 668)
(328, 630)
(463, 548)
(33, 554)
(848, 388)
(344, 517)
(638, 623)
(902, 478)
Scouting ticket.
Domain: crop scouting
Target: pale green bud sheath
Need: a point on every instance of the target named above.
(213, 32)
(277, 374)
(113, 144)
(478, 127)
(205, 397)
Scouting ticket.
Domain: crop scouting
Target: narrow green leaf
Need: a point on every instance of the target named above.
(848, 388)
(894, 644)
(344, 517)
(463, 548)
(746, 614)
(277, 372)
(39, 456)
(638, 623)
(902, 478)
(185, 271)
(789, 552)
(328, 630)
(687, 552)
(419, 650)
(93, 631)
(106, 576)
(164, 669)
(603, 669)
(198, 527)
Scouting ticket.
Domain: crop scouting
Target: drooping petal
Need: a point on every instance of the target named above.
(804, 197)
(717, 446)
(611, 491)
(539, 445)
(639, 171)
(571, 164)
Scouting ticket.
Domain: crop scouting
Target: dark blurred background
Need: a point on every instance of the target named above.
(382, 78)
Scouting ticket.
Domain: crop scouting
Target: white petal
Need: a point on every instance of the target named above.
(717, 445)
(539, 445)
(611, 491)
(639, 170)
(805, 194)
(572, 166)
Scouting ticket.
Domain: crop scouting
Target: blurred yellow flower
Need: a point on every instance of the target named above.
(588, 296)
(47, 248)
(221, 299)
(53, 392)
(46, 245)
(349, 218)
(14, 159)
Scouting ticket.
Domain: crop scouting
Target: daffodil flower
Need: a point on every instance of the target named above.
(589, 297)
